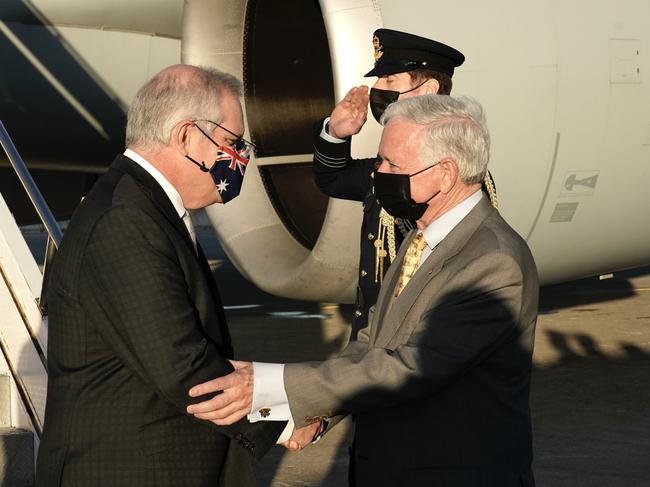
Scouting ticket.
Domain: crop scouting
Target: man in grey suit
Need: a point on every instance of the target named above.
(439, 381)
(135, 315)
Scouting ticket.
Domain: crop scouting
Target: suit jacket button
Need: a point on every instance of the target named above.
(371, 236)
(363, 273)
(358, 314)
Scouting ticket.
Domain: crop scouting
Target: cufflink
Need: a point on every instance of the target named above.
(265, 412)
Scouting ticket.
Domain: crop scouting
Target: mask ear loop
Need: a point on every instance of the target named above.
(201, 164)
(413, 89)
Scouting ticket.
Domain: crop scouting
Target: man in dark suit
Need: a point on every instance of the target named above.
(135, 317)
(439, 381)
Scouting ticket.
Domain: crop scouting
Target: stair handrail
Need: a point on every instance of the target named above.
(47, 218)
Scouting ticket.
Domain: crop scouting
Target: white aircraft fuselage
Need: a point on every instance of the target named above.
(563, 86)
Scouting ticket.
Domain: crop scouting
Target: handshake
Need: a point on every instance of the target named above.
(234, 400)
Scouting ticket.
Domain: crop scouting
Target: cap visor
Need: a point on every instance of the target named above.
(387, 69)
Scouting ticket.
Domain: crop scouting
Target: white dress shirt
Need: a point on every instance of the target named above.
(168, 188)
(328, 137)
(445, 223)
(269, 393)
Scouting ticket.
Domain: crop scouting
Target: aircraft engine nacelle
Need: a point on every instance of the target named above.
(562, 86)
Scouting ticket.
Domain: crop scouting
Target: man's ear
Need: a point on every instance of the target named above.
(431, 87)
(181, 135)
(449, 175)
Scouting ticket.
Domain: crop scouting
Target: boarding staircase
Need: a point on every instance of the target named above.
(23, 333)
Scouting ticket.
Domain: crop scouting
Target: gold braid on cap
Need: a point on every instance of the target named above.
(385, 233)
(488, 184)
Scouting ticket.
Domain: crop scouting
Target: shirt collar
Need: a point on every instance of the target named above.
(443, 225)
(167, 187)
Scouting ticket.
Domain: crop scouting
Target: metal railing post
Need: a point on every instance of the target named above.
(47, 218)
(32, 190)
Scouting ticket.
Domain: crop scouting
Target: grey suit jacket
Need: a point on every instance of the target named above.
(441, 375)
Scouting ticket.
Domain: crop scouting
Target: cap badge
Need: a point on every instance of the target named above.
(376, 43)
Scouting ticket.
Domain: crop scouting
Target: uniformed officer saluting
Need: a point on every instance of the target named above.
(405, 65)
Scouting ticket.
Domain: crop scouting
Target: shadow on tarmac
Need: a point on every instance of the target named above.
(590, 415)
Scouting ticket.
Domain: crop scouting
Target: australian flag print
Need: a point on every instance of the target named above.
(229, 169)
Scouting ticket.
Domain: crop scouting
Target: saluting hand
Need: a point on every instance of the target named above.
(350, 113)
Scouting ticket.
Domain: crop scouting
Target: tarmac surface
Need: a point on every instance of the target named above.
(590, 397)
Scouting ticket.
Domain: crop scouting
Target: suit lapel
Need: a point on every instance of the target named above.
(155, 193)
(450, 246)
(221, 315)
(387, 290)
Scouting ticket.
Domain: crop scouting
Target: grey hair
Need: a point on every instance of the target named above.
(456, 128)
(175, 94)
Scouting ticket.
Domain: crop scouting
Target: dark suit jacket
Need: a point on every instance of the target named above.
(135, 320)
(439, 381)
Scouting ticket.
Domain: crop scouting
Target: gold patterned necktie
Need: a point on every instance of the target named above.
(411, 262)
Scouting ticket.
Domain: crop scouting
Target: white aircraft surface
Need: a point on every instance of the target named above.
(563, 85)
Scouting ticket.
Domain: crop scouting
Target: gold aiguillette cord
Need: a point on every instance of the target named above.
(385, 233)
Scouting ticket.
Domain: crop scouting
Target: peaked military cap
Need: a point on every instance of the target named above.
(398, 52)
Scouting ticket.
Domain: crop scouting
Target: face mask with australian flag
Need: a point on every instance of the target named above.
(229, 169)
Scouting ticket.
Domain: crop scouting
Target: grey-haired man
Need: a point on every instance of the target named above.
(439, 380)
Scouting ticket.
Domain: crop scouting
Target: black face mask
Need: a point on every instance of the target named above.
(380, 99)
(394, 193)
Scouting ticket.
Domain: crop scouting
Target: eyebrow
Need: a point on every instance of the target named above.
(230, 132)
(232, 135)
(390, 163)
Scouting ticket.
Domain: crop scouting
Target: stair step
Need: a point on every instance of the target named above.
(16, 458)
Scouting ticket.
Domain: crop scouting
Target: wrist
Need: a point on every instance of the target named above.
(331, 132)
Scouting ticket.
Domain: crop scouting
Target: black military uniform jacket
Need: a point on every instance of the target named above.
(339, 176)
(135, 320)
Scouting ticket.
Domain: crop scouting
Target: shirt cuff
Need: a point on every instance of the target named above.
(270, 402)
(287, 432)
(329, 138)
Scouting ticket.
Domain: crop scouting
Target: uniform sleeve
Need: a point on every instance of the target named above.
(336, 173)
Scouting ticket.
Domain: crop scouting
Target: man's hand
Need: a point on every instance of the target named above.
(350, 113)
(302, 437)
(233, 404)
